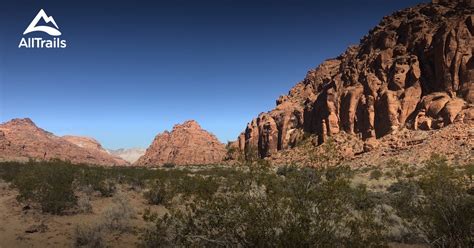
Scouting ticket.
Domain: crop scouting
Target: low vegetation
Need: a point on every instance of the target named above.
(258, 206)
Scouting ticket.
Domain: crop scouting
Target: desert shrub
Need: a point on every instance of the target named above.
(437, 206)
(117, 217)
(469, 170)
(261, 209)
(99, 179)
(168, 165)
(220, 172)
(326, 155)
(84, 204)
(393, 163)
(285, 170)
(156, 194)
(376, 174)
(106, 187)
(251, 153)
(9, 171)
(50, 185)
(89, 236)
(338, 172)
(234, 153)
(162, 191)
(195, 186)
(364, 169)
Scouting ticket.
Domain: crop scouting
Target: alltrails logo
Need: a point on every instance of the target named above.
(38, 42)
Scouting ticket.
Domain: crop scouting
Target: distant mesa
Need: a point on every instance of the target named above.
(22, 140)
(186, 144)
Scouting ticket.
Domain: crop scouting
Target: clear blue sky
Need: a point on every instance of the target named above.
(133, 69)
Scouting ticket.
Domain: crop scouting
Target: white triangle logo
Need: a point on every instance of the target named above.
(47, 29)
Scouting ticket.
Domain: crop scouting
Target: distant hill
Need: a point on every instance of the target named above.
(21, 140)
(186, 144)
(131, 155)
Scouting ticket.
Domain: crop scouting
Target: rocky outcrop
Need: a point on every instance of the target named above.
(21, 140)
(414, 70)
(186, 144)
(130, 155)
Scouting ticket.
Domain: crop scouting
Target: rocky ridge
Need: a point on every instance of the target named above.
(415, 70)
(21, 140)
(186, 144)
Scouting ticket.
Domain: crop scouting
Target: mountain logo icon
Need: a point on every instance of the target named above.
(47, 29)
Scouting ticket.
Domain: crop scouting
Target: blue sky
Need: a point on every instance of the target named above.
(134, 69)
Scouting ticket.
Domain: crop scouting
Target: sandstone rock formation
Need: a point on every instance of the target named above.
(130, 155)
(21, 140)
(414, 70)
(186, 144)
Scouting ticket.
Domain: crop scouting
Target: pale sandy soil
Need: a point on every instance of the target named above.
(17, 226)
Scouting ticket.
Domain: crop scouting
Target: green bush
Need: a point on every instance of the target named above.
(99, 179)
(169, 165)
(261, 209)
(256, 206)
(285, 170)
(9, 171)
(89, 236)
(156, 193)
(106, 187)
(375, 174)
(117, 216)
(437, 205)
(469, 170)
(50, 185)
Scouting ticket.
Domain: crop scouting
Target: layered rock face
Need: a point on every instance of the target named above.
(131, 155)
(186, 144)
(414, 70)
(21, 140)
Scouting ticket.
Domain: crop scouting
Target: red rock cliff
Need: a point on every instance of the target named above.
(414, 70)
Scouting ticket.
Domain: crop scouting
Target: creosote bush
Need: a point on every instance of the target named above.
(89, 236)
(436, 205)
(50, 187)
(376, 174)
(257, 206)
(156, 193)
(262, 209)
(117, 216)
